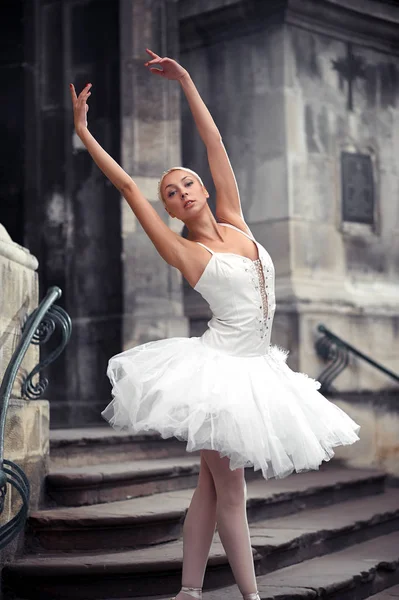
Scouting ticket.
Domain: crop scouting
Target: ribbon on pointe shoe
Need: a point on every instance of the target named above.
(194, 592)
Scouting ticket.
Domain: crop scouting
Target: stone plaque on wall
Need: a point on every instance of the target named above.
(357, 188)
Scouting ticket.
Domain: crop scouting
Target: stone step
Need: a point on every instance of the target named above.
(350, 574)
(388, 594)
(95, 484)
(150, 520)
(279, 543)
(98, 445)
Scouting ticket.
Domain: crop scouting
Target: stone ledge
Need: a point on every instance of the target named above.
(93, 484)
(346, 20)
(388, 594)
(15, 252)
(100, 445)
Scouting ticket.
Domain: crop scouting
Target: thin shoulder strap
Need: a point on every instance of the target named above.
(237, 229)
(206, 247)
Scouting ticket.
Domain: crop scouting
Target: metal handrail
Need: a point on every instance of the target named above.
(37, 329)
(332, 347)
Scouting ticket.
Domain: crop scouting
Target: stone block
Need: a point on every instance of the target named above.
(27, 439)
(19, 297)
(15, 441)
(295, 127)
(271, 198)
(387, 440)
(26, 435)
(316, 249)
(358, 375)
(363, 453)
(378, 445)
(275, 236)
(312, 181)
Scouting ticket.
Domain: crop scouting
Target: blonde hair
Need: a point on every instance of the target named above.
(176, 169)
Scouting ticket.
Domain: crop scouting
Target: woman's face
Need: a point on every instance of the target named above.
(179, 187)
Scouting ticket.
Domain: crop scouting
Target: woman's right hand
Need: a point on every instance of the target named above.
(80, 107)
(170, 68)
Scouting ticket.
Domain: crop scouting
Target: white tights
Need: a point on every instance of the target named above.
(219, 498)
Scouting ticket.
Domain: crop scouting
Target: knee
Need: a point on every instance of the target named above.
(231, 490)
(205, 484)
(206, 487)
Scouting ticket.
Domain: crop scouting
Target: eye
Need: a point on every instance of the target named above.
(188, 183)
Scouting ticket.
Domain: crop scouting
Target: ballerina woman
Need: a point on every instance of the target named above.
(228, 393)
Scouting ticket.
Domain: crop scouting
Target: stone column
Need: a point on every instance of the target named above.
(71, 210)
(341, 95)
(27, 423)
(150, 130)
(275, 79)
(267, 75)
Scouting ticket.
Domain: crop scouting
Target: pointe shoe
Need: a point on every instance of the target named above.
(254, 596)
(194, 592)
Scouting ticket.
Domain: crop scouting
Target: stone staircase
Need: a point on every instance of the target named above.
(116, 504)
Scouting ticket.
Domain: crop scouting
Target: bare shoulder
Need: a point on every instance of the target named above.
(192, 260)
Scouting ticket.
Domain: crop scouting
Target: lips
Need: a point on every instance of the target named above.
(188, 203)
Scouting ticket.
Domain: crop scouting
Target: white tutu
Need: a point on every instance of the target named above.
(230, 390)
(253, 409)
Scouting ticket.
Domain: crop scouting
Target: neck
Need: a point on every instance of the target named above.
(203, 227)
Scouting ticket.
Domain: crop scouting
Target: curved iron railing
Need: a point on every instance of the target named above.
(37, 329)
(333, 348)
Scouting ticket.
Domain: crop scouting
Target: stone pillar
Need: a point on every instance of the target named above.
(150, 129)
(341, 95)
(267, 75)
(27, 423)
(71, 210)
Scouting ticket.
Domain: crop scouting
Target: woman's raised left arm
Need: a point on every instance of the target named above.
(228, 204)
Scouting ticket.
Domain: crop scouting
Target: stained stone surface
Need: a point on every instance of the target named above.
(26, 434)
(284, 132)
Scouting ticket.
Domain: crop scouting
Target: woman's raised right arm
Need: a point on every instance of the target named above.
(168, 243)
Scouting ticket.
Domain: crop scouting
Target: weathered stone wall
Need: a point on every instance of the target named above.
(71, 211)
(378, 446)
(245, 96)
(26, 439)
(267, 76)
(343, 274)
(18, 298)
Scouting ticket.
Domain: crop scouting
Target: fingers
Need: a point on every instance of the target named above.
(73, 93)
(152, 53)
(158, 71)
(84, 94)
(155, 59)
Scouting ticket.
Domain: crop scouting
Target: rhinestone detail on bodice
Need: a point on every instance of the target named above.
(262, 284)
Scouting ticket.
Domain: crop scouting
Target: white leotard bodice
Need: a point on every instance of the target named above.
(240, 294)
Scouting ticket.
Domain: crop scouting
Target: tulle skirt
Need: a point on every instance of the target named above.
(254, 410)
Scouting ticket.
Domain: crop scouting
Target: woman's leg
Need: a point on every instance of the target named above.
(231, 518)
(198, 531)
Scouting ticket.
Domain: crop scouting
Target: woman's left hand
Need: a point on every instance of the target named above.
(80, 107)
(171, 68)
